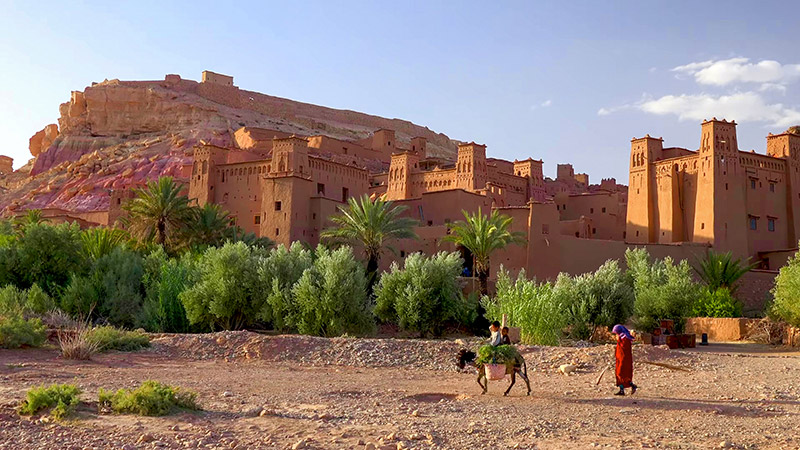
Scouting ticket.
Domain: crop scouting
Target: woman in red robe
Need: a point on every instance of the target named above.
(624, 356)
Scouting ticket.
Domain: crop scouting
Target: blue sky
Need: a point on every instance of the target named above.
(563, 81)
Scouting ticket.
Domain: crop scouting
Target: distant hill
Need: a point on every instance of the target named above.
(117, 133)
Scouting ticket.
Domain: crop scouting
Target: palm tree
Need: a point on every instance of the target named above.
(159, 212)
(210, 225)
(721, 270)
(370, 223)
(98, 242)
(482, 235)
(236, 234)
(31, 217)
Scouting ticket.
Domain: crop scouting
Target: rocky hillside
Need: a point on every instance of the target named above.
(117, 133)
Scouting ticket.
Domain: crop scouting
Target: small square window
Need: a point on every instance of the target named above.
(594, 230)
(752, 183)
(277, 231)
(771, 224)
(257, 220)
(320, 189)
(753, 223)
(604, 210)
(277, 206)
(772, 187)
(591, 210)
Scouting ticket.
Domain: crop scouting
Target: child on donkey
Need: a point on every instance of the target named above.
(504, 339)
(624, 357)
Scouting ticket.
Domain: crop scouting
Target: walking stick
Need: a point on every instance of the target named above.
(601, 376)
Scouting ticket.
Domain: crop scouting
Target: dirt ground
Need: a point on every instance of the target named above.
(291, 392)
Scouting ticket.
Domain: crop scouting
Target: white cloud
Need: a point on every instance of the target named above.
(740, 70)
(744, 106)
(546, 103)
(766, 87)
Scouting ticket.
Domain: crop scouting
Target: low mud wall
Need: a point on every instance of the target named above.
(722, 329)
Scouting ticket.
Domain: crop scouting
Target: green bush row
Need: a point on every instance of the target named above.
(151, 398)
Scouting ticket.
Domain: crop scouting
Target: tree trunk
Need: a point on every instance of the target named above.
(483, 281)
(161, 233)
(481, 324)
(372, 273)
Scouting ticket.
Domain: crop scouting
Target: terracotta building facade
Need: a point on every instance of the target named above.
(737, 201)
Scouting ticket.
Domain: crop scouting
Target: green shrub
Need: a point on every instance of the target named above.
(112, 289)
(150, 399)
(45, 255)
(19, 301)
(63, 398)
(531, 306)
(15, 331)
(227, 292)
(165, 279)
(663, 290)
(279, 272)
(331, 296)
(500, 354)
(786, 301)
(423, 295)
(719, 303)
(109, 338)
(600, 299)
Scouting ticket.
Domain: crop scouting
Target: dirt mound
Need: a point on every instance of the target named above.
(344, 351)
(439, 355)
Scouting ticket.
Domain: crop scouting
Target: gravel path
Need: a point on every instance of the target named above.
(290, 392)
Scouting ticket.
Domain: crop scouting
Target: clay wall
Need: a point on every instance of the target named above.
(603, 209)
(774, 260)
(324, 144)
(721, 329)
(766, 192)
(285, 208)
(440, 208)
(238, 191)
(754, 290)
(337, 181)
(594, 252)
(214, 78)
(565, 172)
(579, 228)
(227, 95)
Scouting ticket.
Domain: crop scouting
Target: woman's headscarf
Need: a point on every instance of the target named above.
(622, 331)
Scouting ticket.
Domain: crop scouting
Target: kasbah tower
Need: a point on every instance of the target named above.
(736, 201)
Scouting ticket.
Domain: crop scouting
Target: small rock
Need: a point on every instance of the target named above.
(415, 413)
(145, 438)
(227, 394)
(370, 446)
(299, 444)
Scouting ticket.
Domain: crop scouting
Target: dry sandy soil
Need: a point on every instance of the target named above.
(298, 392)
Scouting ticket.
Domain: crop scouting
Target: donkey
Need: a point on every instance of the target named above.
(519, 367)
